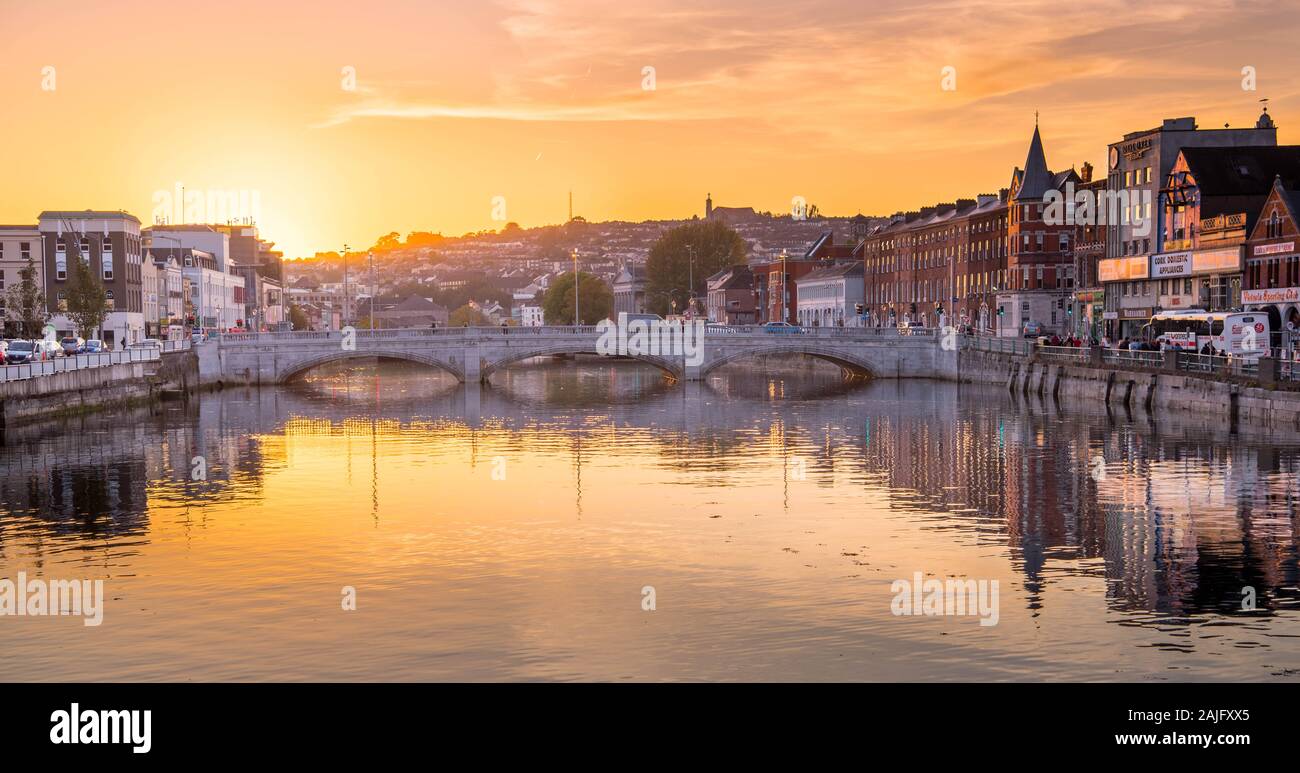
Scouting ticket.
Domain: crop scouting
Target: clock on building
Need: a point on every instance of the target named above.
(1114, 157)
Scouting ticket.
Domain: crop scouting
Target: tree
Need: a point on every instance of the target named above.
(669, 266)
(466, 315)
(595, 299)
(388, 242)
(298, 318)
(26, 302)
(87, 300)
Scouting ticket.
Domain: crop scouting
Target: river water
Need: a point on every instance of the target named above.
(521, 530)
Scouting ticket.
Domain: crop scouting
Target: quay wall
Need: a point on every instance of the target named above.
(90, 389)
(1213, 399)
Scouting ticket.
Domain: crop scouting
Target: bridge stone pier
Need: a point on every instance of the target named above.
(475, 353)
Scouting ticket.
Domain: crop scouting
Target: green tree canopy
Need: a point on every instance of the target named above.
(298, 318)
(595, 300)
(668, 269)
(466, 315)
(26, 303)
(87, 299)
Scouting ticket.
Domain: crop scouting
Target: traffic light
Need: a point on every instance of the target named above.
(938, 308)
(857, 308)
(912, 307)
(999, 311)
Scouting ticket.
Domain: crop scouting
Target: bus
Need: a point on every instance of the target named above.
(1235, 333)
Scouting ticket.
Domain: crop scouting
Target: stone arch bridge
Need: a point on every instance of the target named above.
(475, 353)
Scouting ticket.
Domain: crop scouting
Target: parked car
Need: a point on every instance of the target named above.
(32, 351)
(94, 346)
(782, 328)
(20, 352)
(1032, 329)
(73, 345)
(49, 349)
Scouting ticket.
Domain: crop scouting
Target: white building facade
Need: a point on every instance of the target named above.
(831, 296)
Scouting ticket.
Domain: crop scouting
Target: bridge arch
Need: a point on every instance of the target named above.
(849, 361)
(671, 369)
(300, 367)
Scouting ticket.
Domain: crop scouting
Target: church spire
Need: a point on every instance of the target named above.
(1036, 178)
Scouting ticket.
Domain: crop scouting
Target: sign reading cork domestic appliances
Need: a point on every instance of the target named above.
(1171, 264)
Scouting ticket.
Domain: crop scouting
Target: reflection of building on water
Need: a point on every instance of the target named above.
(1180, 524)
(95, 477)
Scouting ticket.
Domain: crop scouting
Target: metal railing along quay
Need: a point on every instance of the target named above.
(63, 364)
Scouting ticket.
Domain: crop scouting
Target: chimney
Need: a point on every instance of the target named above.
(1085, 172)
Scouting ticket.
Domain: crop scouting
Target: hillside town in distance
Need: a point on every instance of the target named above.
(1188, 224)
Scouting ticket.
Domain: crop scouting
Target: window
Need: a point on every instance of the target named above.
(109, 301)
(108, 268)
(85, 246)
(25, 250)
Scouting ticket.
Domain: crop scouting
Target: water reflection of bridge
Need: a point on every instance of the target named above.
(1176, 520)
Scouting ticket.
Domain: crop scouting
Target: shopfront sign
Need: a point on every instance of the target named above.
(1280, 248)
(1270, 295)
(1219, 261)
(1171, 264)
(1123, 269)
(1141, 313)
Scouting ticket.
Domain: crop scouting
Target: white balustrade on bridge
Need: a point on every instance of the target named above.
(474, 353)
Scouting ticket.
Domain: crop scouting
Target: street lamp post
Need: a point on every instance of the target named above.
(577, 318)
(690, 279)
(345, 285)
(785, 311)
(371, 254)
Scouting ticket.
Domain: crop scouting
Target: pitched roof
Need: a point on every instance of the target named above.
(1243, 171)
(416, 303)
(833, 272)
(1035, 180)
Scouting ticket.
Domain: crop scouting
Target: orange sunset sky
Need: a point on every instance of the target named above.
(455, 103)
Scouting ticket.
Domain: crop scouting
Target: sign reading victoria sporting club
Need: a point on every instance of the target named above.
(1271, 295)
